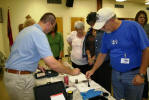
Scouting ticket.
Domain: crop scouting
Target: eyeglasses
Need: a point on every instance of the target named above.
(141, 17)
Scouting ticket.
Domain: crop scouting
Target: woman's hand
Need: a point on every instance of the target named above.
(89, 73)
(90, 61)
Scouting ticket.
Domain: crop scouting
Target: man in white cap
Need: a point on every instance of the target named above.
(128, 46)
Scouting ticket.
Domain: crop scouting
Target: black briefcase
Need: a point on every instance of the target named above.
(44, 92)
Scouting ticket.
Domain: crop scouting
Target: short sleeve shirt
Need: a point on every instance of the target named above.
(129, 39)
(77, 44)
(30, 46)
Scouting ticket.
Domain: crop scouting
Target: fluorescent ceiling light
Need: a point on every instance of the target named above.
(120, 0)
(147, 3)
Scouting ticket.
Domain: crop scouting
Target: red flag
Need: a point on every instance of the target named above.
(9, 30)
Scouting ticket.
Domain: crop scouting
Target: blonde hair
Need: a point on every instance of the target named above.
(29, 21)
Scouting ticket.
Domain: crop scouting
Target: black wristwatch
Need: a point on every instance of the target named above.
(142, 75)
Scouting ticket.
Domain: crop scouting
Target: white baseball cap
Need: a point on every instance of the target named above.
(103, 15)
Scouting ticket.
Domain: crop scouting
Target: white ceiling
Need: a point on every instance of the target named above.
(136, 1)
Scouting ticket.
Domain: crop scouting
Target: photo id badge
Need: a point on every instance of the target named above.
(125, 60)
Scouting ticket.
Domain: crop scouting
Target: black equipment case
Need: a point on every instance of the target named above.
(43, 92)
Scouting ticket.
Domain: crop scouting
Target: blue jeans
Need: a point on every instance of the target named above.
(123, 87)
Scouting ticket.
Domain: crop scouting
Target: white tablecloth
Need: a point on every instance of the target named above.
(76, 88)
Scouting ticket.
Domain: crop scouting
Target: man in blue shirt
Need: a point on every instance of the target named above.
(128, 46)
(30, 46)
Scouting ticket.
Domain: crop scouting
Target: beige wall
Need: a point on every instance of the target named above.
(129, 11)
(1, 39)
(36, 8)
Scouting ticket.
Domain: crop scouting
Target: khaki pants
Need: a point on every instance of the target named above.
(19, 87)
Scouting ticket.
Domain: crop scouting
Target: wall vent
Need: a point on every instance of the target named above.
(54, 1)
(119, 6)
(147, 8)
(69, 3)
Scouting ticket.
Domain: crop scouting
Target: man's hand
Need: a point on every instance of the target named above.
(89, 73)
(60, 60)
(138, 80)
(59, 67)
(75, 71)
(41, 68)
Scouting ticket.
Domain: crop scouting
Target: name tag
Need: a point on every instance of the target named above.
(125, 60)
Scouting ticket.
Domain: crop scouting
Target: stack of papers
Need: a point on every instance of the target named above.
(81, 77)
(83, 86)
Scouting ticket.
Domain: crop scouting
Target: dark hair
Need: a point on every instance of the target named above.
(55, 28)
(20, 27)
(91, 17)
(139, 13)
(48, 17)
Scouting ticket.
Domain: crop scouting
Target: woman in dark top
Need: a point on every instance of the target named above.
(90, 47)
(141, 18)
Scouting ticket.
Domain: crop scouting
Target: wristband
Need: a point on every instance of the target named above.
(142, 75)
(89, 56)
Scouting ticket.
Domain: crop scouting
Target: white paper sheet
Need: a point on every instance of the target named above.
(82, 87)
(59, 96)
(80, 78)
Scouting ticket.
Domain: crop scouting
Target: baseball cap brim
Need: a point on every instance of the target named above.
(98, 25)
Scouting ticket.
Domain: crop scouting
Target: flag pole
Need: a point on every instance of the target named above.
(9, 30)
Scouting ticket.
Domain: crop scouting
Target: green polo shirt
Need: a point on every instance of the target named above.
(56, 43)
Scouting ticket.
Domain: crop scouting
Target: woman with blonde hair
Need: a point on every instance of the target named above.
(28, 22)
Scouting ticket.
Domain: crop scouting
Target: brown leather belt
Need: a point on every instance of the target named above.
(17, 71)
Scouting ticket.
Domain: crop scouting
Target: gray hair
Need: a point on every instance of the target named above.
(48, 17)
(79, 25)
(114, 16)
